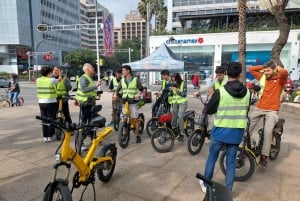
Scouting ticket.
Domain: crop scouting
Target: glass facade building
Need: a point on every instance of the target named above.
(15, 33)
(59, 12)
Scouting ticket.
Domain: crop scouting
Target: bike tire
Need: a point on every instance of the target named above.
(124, 135)
(79, 138)
(240, 163)
(63, 192)
(275, 148)
(196, 141)
(117, 122)
(106, 169)
(58, 132)
(21, 101)
(141, 123)
(160, 137)
(151, 126)
(190, 127)
(4, 103)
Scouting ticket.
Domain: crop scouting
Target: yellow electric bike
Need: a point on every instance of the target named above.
(102, 163)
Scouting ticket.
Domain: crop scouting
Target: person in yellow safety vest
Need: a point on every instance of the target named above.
(163, 94)
(86, 92)
(219, 81)
(106, 79)
(179, 103)
(231, 104)
(131, 92)
(46, 94)
(62, 90)
(114, 83)
(268, 103)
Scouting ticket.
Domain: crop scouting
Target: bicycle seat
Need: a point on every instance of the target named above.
(96, 108)
(218, 192)
(98, 122)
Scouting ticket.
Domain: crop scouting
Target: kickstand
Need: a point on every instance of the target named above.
(94, 191)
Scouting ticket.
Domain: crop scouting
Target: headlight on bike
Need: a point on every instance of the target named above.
(57, 158)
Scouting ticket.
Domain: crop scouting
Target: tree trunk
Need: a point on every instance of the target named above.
(242, 37)
(284, 30)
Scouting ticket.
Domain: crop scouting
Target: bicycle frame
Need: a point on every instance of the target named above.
(84, 165)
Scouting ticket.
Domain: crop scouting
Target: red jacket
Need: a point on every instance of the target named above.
(270, 99)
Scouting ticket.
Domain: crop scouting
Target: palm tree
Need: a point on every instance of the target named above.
(276, 8)
(157, 9)
(242, 7)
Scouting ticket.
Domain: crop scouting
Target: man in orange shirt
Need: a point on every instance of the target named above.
(272, 78)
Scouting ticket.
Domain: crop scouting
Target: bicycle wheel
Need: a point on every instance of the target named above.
(124, 135)
(189, 126)
(4, 103)
(151, 126)
(58, 132)
(245, 164)
(79, 138)
(21, 101)
(162, 140)
(106, 169)
(117, 122)
(60, 192)
(196, 141)
(275, 148)
(141, 123)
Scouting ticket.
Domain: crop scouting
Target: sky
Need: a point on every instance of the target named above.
(119, 8)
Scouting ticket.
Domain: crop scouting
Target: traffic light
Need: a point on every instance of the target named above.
(101, 62)
(42, 27)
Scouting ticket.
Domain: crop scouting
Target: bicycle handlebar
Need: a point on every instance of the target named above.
(57, 124)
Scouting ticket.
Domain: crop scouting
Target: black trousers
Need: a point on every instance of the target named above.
(48, 110)
(66, 111)
(86, 114)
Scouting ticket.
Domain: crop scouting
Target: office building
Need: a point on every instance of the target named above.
(117, 35)
(133, 27)
(53, 13)
(177, 8)
(105, 35)
(15, 34)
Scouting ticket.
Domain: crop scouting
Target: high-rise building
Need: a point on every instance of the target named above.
(60, 12)
(105, 35)
(117, 35)
(133, 27)
(15, 34)
(178, 8)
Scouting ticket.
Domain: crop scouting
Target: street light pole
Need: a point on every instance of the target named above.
(97, 41)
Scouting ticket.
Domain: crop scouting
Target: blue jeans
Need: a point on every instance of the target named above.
(14, 96)
(231, 152)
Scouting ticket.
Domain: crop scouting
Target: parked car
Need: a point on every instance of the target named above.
(4, 82)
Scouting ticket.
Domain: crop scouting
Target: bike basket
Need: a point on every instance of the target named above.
(165, 118)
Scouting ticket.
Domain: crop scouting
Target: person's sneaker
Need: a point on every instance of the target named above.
(263, 161)
(202, 185)
(45, 139)
(180, 138)
(138, 139)
(49, 139)
(110, 123)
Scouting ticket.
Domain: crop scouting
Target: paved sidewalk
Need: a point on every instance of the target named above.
(141, 174)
